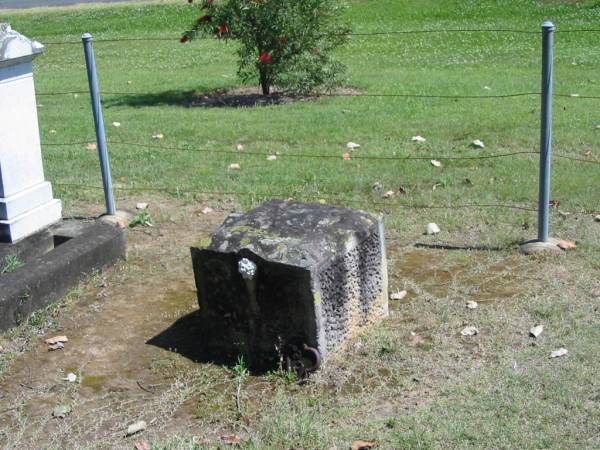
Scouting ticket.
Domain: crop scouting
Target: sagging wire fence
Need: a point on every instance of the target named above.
(545, 153)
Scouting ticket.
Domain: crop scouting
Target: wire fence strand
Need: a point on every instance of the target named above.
(320, 196)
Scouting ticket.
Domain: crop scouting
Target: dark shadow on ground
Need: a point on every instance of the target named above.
(249, 97)
(188, 337)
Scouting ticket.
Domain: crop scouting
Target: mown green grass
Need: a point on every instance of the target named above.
(166, 73)
(502, 393)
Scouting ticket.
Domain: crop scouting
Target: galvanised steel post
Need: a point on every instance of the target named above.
(548, 29)
(90, 63)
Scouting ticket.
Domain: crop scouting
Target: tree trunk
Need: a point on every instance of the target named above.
(265, 82)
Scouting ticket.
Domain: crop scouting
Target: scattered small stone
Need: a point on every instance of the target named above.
(116, 124)
(136, 427)
(398, 295)
(57, 346)
(597, 218)
(206, 210)
(272, 158)
(91, 146)
(418, 139)
(235, 166)
(471, 304)
(352, 145)
(536, 331)
(388, 194)
(469, 331)
(158, 136)
(477, 143)
(436, 163)
(240, 147)
(558, 353)
(433, 228)
(141, 205)
(71, 377)
(61, 411)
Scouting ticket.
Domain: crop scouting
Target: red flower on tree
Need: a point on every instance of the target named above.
(184, 39)
(223, 28)
(265, 57)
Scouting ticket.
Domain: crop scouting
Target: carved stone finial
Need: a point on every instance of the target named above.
(14, 45)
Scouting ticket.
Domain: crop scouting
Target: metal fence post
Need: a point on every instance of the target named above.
(546, 130)
(90, 63)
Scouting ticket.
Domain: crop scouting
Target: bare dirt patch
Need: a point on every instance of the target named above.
(389, 371)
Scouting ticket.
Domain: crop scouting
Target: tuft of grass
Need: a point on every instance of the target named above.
(10, 264)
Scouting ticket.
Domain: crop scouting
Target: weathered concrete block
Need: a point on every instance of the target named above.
(287, 278)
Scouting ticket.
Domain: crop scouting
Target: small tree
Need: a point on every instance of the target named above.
(283, 43)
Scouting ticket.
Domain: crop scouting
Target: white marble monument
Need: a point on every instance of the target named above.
(26, 202)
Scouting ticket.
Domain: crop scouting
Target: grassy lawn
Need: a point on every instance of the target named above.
(413, 381)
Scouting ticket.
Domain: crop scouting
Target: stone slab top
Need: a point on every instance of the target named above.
(299, 234)
(14, 45)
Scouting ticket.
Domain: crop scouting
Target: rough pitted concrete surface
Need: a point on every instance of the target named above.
(320, 274)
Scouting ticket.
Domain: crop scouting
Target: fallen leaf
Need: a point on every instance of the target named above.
(91, 146)
(206, 210)
(436, 163)
(141, 445)
(468, 182)
(588, 153)
(558, 353)
(418, 139)
(471, 304)
(116, 124)
(231, 439)
(574, 95)
(129, 82)
(272, 158)
(554, 203)
(346, 156)
(566, 245)
(136, 427)
(61, 411)
(240, 147)
(363, 445)
(352, 145)
(398, 295)
(563, 214)
(432, 228)
(235, 166)
(487, 88)
(477, 143)
(388, 194)
(536, 330)
(2, 349)
(469, 331)
(158, 136)
(56, 339)
(141, 205)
